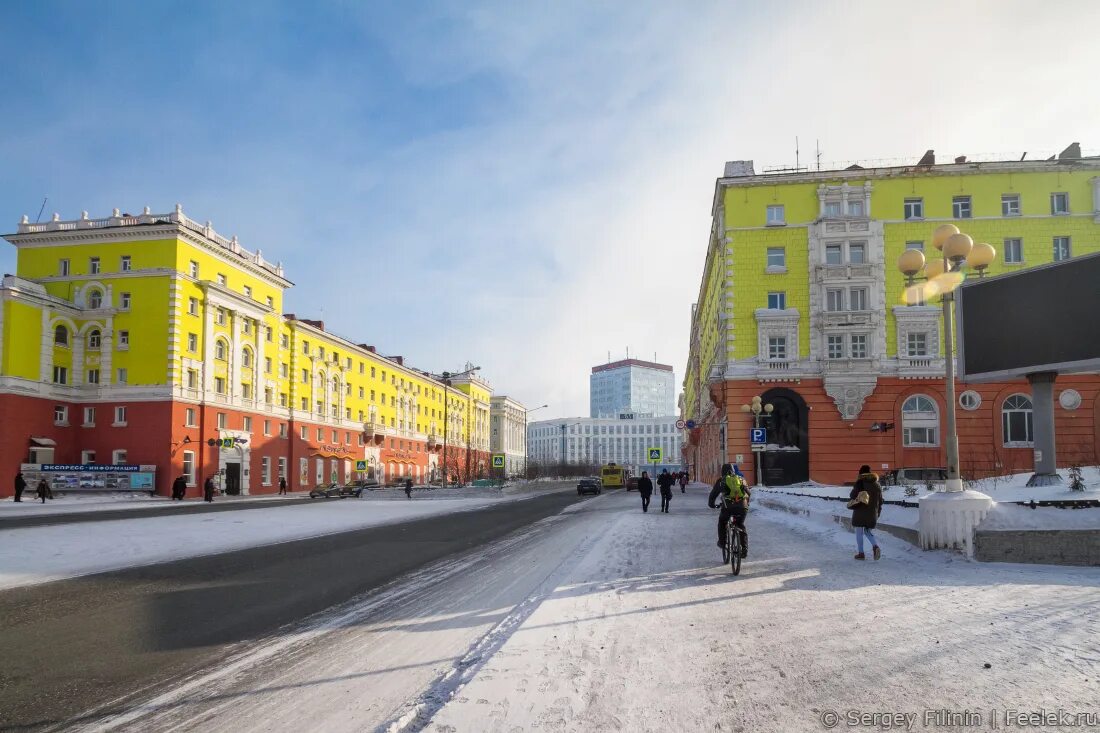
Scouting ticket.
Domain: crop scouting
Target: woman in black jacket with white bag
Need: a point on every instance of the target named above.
(866, 504)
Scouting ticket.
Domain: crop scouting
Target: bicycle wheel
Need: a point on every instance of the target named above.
(726, 552)
(733, 541)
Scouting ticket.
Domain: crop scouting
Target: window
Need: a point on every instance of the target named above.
(857, 253)
(62, 267)
(87, 457)
(919, 246)
(222, 279)
(265, 471)
(305, 403)
(246, 424)
(1061, 249)
(89, 417)
(221, 421)
(61, 336)
(123, 375)
(777, 301)
(920, 422)
(1014, 251)
(221, 316)
(855, 208)
(94, 339)
(267, 427)
(284, 370)
(282, 430)
(194, 269)
(1059, 203)
(247, 325)
(219, 350)
(124, 301)
(835, 347)
(246, 358)
(304, 433)
(246, 391)
(834, 254)
(857, 299)
(192, 378)
(60, 415)
(193, 306)
(914, 208)
(269, 334)
(305, 347)
(320, 435)
(284, 341)
(970, 400)
(834, 299)
(777, 259)
(832, 209)
(267, 365)
(775, 215)
(189, 418)
(270, 302)
(305, 376)
(93, 265)
(219, 385)
(777, 347)
(1016, 420)
(1010, 204)
(93, 376)
(247, 291)
(118, 457)
(189, 467)
(859, 346)
(124, 263)
(120, 415)
(192, 342)
(283, 399)
(917, 344)
(123, 339)
(960, 207)
(95, 299)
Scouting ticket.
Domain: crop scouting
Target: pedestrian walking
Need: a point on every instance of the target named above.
(208, 489)
(664, 481)
(179, 488)
(282, 484)
(645, 488)
(683, 482)
(20, 486)
(409, 488)
(866, 505)
(44, 490)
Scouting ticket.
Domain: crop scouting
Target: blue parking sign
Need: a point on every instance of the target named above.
(758, 435)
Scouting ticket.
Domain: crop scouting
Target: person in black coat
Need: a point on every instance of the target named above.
(866, 505)
(20, 486)
(645, 488)
(282, 484)
(44, 490)
(664, 481)
(208, 489)
(179, 488)
(409, 488)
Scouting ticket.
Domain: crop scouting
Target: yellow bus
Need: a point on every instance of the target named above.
(613, 477)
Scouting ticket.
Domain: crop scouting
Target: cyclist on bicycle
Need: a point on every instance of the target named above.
(735, 503)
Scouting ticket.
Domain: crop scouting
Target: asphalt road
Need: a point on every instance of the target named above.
(100, 641)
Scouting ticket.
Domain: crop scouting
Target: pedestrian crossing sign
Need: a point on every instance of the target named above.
(360, 465)
(654, 455)
(498, 460)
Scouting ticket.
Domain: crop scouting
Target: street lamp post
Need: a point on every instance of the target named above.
(756, 407)
(526, 449)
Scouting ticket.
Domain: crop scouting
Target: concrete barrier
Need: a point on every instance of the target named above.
(1043, 546)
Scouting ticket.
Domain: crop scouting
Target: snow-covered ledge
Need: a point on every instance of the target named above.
(948, 519)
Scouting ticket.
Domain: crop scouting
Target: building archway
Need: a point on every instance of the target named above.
(787, 458)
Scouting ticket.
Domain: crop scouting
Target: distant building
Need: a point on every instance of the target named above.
(599, 441)
(631, 386)
(507, 418)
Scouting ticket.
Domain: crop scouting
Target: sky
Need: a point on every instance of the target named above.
(522, 186)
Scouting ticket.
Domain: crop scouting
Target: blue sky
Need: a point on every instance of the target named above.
(521, 185)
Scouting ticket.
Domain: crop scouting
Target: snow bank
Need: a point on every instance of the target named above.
(1012, 516)
(898, 516)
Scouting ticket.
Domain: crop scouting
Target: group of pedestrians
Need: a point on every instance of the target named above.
(665, 482)
(43, 490)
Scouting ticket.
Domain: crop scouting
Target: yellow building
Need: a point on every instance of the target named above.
(153, 340)
(800, 303)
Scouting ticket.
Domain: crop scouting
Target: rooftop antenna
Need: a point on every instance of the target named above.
(818, 146)
(1024, 155)
(796, 151)
(627, 352)
(41, 209)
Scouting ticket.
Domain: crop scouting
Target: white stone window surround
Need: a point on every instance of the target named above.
(917, 319)
(842, 194)
(775, 323)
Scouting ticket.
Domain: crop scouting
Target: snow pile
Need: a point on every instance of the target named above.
(898, 516)
(1013, 516)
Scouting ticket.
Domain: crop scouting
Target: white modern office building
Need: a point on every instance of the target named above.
(506, 419)
(632, 386)
(625, 440)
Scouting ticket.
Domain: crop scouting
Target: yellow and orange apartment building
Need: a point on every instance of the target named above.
(152, 341)
(800, 303)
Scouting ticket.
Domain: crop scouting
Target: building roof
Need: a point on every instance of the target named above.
(629, 363)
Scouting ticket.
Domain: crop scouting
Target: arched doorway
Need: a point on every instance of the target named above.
(787, 458)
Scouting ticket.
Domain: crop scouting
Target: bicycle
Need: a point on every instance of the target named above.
(733, 548)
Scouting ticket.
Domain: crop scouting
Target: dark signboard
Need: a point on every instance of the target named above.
(91, 477)
(1043, 319)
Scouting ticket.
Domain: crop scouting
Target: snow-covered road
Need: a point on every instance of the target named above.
(604, 618)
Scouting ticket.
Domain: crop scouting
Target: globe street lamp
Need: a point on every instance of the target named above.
(526, 451)
(756, 407)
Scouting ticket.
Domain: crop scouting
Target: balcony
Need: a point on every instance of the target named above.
(823, 273)
(920, 367)
(846, 318)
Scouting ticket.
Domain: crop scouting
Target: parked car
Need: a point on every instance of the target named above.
(631, 483)
(332, 491)
(588, 486)
(916, 477)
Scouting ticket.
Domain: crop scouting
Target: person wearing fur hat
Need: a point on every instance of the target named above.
(866, 505)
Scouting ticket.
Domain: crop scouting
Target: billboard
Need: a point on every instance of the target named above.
(1043, 319)
(89, 478)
